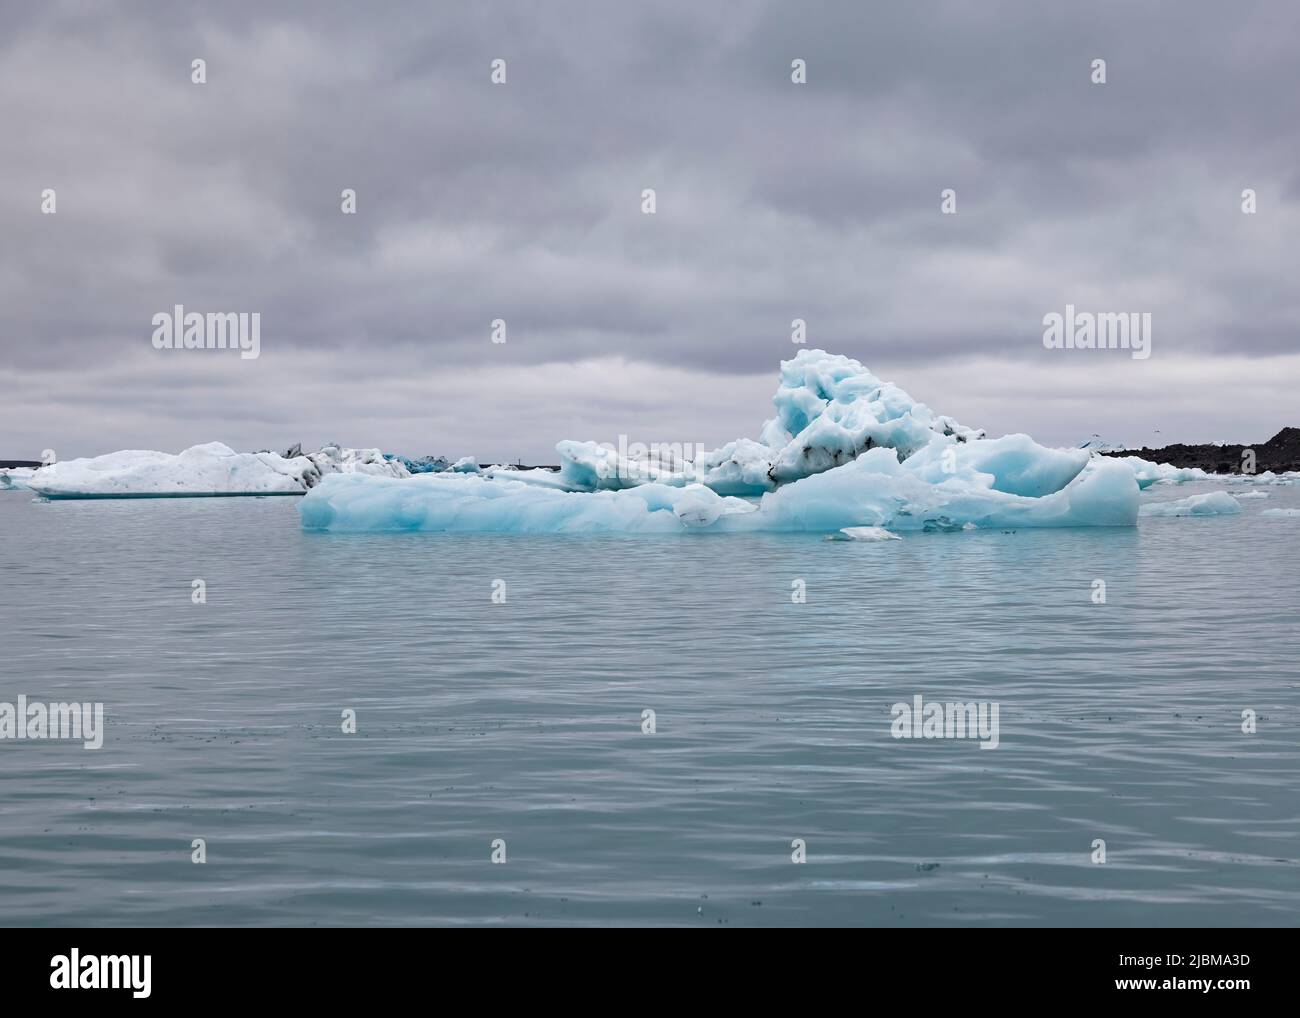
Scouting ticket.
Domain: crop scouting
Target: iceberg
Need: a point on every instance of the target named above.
(830, 409)
(1287, 513)
(334, 459)
(213, 469)
(1098, 444)
(423, 465)
(15, 478)
(874, 490)
(845, 450)
(1214, 503)
(1148, 473)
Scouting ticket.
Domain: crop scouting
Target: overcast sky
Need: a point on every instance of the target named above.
(522, 201)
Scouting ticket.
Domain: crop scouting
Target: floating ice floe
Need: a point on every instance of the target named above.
(1214, 503)
(1251, 494)
(1287, 477)
(844, 450)
(1148, 473)
(863, 534)
(13, 478)
(204, 470)
(1289, 513)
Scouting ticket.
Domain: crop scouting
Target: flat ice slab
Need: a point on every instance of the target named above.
(864, 534)
(1214, 503)
(202, 471)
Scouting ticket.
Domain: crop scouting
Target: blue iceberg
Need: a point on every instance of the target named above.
(845, 450)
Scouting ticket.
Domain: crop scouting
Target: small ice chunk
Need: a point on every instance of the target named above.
(1214, 503)
(868, 534)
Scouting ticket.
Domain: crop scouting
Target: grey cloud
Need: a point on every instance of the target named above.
(521, 202)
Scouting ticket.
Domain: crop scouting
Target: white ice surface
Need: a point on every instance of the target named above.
(865, 534)
(1148, 473)
(830, 409)
(1213, 503)
(12, 478)
(211, 469)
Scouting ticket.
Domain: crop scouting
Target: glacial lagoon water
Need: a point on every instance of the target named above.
(523, 722)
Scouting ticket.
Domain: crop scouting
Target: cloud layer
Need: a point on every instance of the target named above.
(522, 201)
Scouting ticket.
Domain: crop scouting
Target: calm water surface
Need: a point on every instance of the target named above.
(522, 721)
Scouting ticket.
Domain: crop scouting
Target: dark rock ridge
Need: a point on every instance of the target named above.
(1281, 452)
